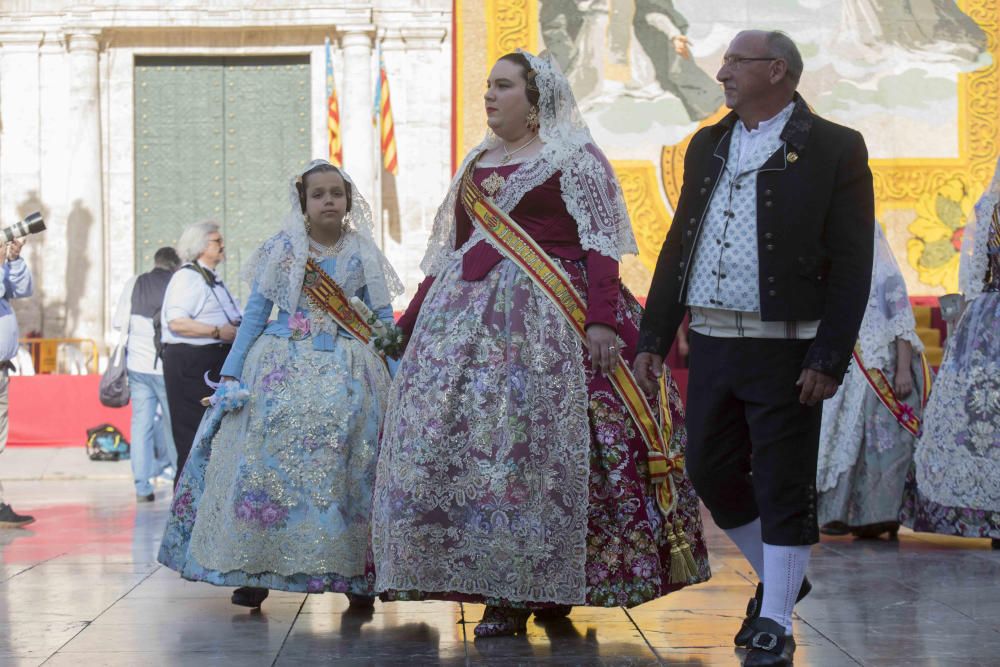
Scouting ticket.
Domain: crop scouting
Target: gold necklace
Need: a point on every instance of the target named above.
(509, 154)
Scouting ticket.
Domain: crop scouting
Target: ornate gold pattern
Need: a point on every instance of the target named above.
(899, 182)
(514, 26)
(650, 218)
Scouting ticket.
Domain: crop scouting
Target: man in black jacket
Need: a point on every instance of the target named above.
(770, 249)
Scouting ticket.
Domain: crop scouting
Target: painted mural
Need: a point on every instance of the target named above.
(919, 78)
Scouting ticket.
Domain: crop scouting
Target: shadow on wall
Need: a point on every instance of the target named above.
(31, 311)
(79, 227)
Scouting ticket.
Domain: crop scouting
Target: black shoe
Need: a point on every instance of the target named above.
(148, 498)
(836, 528)
(11, 519)
(742, 637)
(769, 646)
(995, 544)
(552, 613)
(249, 596)
(359, 602)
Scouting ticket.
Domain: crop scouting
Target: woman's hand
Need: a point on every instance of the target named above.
(603, 343)
(903, 383)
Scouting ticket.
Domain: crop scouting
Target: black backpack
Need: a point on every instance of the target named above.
(107, 443)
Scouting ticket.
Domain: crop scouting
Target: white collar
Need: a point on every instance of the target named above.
(765, 126)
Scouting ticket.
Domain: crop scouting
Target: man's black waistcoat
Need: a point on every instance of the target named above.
(815, 217)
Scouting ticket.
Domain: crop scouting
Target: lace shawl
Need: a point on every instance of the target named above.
(888, 315)
(590, 189)
(975, 260)
(277, 268)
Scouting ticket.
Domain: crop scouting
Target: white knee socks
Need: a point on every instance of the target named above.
(747, 538)
(784, 569)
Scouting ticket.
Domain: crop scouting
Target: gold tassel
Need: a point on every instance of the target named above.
(682, 567)
(686, 549)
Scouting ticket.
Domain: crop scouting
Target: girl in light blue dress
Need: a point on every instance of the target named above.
(277, 492)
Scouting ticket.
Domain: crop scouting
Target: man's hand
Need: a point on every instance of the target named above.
(227, 333)
(816, 387)
(13, 249)
(603, 344)
(648, 368)
(682, 45)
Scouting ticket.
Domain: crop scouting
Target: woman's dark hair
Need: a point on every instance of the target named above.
(301, 186)
(530, 87)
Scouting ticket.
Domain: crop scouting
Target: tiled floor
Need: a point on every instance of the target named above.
(81, 587)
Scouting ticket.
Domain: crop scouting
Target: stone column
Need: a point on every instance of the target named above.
(357, 100)
(86, 270)
(20, 175)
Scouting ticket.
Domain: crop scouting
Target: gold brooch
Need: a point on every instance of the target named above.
(793, 157)
(493, 183)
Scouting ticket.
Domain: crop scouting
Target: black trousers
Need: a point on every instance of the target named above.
(752, 447)
(184, 368)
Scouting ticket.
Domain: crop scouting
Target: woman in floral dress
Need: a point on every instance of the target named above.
(954, 487)
(865, 449)
(511, 472)
(277, 493)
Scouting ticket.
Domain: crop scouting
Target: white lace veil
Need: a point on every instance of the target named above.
(972, 270)
(889, 315)
(590, 188)
(278, 266)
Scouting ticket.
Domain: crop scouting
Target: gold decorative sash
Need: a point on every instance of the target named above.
(521, 249)
(324, 293)
(883, 389)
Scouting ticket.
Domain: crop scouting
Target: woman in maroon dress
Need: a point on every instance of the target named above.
(511, 472)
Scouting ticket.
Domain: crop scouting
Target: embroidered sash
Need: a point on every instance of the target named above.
(883, 389)
(548, 276)
(324, 293)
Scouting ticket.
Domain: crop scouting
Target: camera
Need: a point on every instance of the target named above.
(30, 225)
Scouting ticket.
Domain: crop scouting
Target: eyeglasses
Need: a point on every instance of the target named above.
(734, 62)
(219, 241)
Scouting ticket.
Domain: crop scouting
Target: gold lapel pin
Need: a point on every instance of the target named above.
(793, 157)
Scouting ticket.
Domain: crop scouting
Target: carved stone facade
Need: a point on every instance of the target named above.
(67, 144)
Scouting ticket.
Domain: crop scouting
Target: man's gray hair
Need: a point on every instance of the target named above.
(194, 239)
(781, 46)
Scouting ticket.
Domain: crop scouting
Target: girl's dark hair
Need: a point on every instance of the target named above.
(301, 186)
(530, 87)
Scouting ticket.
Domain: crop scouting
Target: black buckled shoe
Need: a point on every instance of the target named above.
(249, 596)
(769, 645)
(742, 637)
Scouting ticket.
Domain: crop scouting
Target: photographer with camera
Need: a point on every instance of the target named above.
(199, 320)
(16, 284)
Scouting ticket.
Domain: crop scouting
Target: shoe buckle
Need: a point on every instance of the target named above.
(759, 639)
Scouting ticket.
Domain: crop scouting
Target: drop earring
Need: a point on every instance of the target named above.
(532, 118)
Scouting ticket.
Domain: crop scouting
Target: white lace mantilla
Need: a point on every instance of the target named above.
(590, 189)
(277, 268)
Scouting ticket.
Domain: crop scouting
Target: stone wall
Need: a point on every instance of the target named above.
(67, 141)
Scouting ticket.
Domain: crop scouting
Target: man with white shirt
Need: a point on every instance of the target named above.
(770, 249)
(140, 301)
(199, 320)
(15, 283)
